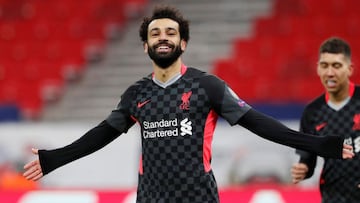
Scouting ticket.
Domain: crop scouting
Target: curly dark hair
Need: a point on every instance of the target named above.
(335, 45)
(165, 12)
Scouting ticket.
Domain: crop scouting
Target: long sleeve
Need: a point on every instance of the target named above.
(271, 129)
(306, 157)
(309, 159)
(90, 142)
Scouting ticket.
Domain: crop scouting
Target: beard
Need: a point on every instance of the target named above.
(164, 60)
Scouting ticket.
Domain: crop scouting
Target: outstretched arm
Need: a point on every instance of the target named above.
(271, 129)
(49, 160)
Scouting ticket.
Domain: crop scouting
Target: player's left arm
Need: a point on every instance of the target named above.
(230, 107)
(271, 129)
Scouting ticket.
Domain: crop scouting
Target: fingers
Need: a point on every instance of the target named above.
(36, 175)
(33, 174)
(33, 171)
(349, 147)
(31, 164)
(300, 168)
(298, 172)
(347, 152)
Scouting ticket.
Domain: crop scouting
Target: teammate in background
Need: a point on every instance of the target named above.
(177, 108)
(335, 112)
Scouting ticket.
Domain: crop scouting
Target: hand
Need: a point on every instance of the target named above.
(33, 169)
(298, 172)
(347, 152)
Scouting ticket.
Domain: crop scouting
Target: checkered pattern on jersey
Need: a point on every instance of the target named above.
(173, 169)
(341, 176)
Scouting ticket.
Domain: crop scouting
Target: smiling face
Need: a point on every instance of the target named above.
(163, 44)
(334, 71)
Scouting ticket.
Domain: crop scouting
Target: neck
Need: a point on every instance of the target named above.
(164, 74)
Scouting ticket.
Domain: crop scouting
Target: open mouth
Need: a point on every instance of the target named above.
(163, 48)
(330, 83)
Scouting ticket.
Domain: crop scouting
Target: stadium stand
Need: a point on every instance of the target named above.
(220, 30)
(276, 64)
(44, 45)
(48, 44)
(213, 25)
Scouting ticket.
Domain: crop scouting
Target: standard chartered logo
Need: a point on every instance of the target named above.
(186, 128)
(166, 128)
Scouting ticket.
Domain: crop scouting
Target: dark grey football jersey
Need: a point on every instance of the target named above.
(340, 179)
(177, 125)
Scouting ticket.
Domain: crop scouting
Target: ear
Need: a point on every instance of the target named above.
(351, 69)
(317, 69)
(183, 45)
(145, 46)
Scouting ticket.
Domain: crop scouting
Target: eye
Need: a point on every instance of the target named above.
(154, 33)
(171, 32)
(323, 65)
(337, 65)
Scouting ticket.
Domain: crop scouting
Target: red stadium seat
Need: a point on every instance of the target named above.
(9, 82)
(43, 44)
(7, 31)
(287, 7)
(278, 63)
(45, 78)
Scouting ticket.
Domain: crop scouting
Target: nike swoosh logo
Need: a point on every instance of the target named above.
(141, 104)
(320, 126)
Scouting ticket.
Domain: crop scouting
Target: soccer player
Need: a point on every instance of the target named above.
(177, 108)
(335, 112)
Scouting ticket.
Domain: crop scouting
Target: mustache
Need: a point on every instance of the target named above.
(163, 44)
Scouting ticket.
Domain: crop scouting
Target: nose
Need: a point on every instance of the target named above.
(330, 71)
(162, 36)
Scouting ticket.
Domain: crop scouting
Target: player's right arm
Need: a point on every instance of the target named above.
(118, 122)
(308, 161)
(49, 160)
(305, 167)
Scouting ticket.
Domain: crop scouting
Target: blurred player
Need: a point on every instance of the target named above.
(177, 108)
(335, 112)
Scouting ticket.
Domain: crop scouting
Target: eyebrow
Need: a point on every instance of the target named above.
(167, 29)
(329, 63)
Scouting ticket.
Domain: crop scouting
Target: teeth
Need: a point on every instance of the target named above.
(331, 83)
(163, 47)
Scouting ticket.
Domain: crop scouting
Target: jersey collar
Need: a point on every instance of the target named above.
(171, 80)
(182, 70)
